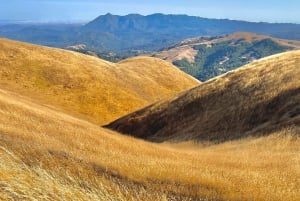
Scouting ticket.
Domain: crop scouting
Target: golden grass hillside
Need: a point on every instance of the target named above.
(256, 98)
(95, 89)
(48, 155)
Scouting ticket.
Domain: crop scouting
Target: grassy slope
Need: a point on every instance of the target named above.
(261, 96)
(252, 37)
(178, 52)
(205, 57)
(48, 155)
(83, 85)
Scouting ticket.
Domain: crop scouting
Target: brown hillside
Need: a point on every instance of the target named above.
(178, 53)
(251, 37)
(48, 155)
(261, 96)
(185, 49)
(83, 85)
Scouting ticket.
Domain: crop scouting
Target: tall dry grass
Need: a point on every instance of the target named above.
(86, 86)
(260, 96)
(48, 155)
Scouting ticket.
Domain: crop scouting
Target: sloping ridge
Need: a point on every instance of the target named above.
(260, 96)
(185, 49)
(82, 85)
(49, 155)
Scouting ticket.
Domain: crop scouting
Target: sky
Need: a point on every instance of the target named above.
(87, 10)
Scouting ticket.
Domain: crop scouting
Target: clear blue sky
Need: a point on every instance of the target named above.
(85, 10)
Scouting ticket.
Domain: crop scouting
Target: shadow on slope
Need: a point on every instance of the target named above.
(262, 96)
(48, 155)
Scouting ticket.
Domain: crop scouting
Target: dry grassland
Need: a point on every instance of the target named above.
(48, 155)
(249, 101)
(85, 86)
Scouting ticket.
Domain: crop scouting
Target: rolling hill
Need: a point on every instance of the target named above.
(46, 154)
(253, 100)
(50, 149)
(207, 57)
(86, 86)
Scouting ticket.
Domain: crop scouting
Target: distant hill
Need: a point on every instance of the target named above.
(135, 32)
(207, 57)
(253, 100)
(87, 86)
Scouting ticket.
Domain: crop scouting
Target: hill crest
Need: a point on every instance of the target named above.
(207, 57)
(84, 85)
(260, 96)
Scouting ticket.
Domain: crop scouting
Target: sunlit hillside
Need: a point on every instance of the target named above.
(52, 148)
(208, 57)
(48, 155)
(170, 101)
(85, 86)
(185, 49)
(255, 99)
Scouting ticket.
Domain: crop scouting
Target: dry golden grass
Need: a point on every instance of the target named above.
(260, 96)
(82, 85)
(48, 155)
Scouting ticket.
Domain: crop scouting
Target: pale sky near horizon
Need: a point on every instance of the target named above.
(86, 10)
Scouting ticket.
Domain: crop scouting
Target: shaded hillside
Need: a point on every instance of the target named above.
(123, 34)
(83, 85)
(48, 155)
(259, 97)
(208, 57)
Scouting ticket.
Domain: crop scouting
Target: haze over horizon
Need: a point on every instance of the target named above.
(83, 11)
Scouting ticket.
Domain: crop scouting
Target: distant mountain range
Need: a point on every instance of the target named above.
(207, 57)
(113, 33)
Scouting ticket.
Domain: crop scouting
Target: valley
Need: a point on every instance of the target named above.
(261, 96)
(167, 107)
(49, 155)
(208, 57)
(53, 150)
